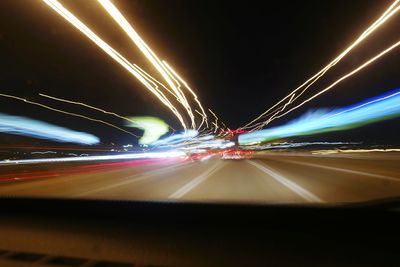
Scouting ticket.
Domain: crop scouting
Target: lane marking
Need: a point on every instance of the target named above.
(196, 181)
(131, 179)
(302, 192)
(341, 170)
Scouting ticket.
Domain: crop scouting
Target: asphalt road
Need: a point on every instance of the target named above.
(270, 177)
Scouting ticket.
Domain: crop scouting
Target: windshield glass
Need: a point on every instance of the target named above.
(208, 101)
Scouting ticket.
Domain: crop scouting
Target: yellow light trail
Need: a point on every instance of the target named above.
(157, 83)
(92, 107)
(66, 112)
(66, 14)
(196, 99)
(204, 119)
(189, 109)
(215, 123)
(393, 9)
(344, 77)
(147, 52)
(87, 106)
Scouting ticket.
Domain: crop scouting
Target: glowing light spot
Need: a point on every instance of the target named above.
(153, 128)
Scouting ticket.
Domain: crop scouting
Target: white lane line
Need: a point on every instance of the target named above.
(130, 179)
(342, 170)
(307, 195)
(196, 181)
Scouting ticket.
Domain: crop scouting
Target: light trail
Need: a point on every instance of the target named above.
(215, 123)
(66, 112)
(87, 106)
(176, 138)
(368, 62)
(320, 121)
(392, 10)
(280, 145)
(66, 14)
(148, 53)
(205, 119)
(148, 155)
(37, 129)
(196, 99)
(186, 103)
(153, 128)
(338, 151)
(156, 83)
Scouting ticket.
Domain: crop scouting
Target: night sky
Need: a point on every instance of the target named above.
(240, 57)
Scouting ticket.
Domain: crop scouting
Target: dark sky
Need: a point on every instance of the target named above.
(240, 56)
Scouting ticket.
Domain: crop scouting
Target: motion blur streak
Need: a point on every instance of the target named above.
(176, 138)
(148, 53)
(87, 106)
(153, 128)
(299, 144)
(215, 123)
(58, 171)
(337, 151)
(344, 77)
(149, 155)
(321, 120)
(60, 9)
(65, 112)
(33, 128)
(202, 113)
(393, 9)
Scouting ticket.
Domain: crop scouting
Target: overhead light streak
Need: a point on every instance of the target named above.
(66, 112)
(365, 64)
(205, 119)
(66, 14)
(215, 123)
(392, 10)
(203, 114)
(321, 121)
(156, 83)
(148, 53)
(87, 106)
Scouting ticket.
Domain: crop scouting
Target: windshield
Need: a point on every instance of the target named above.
(206, 101)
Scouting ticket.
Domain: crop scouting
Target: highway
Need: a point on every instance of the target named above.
(266, 178)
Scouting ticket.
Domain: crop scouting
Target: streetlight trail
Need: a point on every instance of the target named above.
(393, 9)
(196, 99)
(368, 62)
(147, 52)
(66, 14)
(87, 106)
(66, 112)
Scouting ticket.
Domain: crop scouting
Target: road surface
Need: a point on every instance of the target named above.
(267, 178)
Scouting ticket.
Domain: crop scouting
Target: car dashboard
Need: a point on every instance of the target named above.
(73, 232)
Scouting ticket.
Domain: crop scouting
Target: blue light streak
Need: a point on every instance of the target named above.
(323, 120)
(37, 129)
